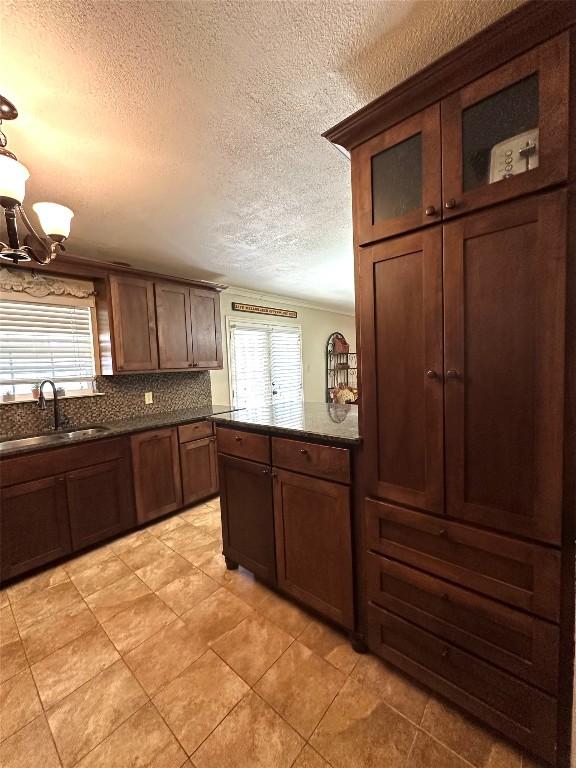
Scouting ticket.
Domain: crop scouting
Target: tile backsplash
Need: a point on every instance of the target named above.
(123, 398)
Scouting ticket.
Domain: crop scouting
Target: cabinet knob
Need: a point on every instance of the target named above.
(303, 451)
(265, 471)
(237, 438)
(431, 374)
(446, 653)
(430, 211)
(452, 373)
(441, 532)
(451, 203)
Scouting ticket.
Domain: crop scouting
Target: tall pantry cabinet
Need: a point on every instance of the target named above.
(465, 229)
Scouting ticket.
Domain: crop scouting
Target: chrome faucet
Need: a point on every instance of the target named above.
(42, 402)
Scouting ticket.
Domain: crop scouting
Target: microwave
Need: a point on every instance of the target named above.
(513, 156)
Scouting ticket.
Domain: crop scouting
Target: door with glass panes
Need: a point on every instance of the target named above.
(506, 134)
(265, 364)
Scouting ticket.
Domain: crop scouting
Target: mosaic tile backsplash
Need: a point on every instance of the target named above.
(123, 398)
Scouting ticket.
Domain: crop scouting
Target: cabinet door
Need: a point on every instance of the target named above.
(507, 133)
(100, 502)
(206, 330)
(174, 325)
(133, 323)
(314, 543)
(397, 184)
(156, 469)
(401, 328)
(504, 304)
(35, 528)
(199, 465)
(247, 515)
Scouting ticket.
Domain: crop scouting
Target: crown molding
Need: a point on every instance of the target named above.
(291, 301)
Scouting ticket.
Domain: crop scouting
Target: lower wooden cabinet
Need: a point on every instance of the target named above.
(156, 468)
(313, 543)
(100, 502)
(199, 465)
(247, 515)
(35, 528)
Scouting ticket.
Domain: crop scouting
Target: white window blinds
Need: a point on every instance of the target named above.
(45, 341)
(265, 364)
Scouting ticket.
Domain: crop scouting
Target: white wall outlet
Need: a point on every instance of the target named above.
(148, 398)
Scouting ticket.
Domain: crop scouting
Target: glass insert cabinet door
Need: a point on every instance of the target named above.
(507, 134)
(398, 177)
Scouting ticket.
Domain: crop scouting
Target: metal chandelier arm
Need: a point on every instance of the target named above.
(49, 250)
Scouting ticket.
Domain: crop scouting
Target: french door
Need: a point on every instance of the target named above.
(265, 364)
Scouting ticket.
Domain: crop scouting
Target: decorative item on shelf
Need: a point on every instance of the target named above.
(54, 218)
(341, 371)
(36, 390)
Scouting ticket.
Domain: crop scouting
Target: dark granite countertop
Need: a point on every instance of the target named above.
(114, 428)
(319, 421)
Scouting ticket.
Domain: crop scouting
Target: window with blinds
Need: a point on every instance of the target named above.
(45, 341)
(265, 364)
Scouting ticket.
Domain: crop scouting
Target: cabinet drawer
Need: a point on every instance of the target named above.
(524, 713)
(523, 575)
(57, 461)
(516, 642)
(246, 445)
(195, 431)
(312, 459)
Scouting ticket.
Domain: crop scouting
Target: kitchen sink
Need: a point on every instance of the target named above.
(55, 438)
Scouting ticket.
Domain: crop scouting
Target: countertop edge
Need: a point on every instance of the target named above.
(287, 431)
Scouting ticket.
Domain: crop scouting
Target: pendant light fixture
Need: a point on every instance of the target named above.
(54, 219)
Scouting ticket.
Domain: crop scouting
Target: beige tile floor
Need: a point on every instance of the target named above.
(148, 652)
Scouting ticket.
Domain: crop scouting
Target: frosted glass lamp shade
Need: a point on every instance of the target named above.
(54, 219)
(13, 177)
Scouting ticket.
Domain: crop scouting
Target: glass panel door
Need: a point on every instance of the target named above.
(398, 175)
(507, 134)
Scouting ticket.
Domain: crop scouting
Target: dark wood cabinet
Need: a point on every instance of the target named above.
(247, 515)
(35, 528)
(468, 364)
(504, 317)
(206, 329)
(156, 470)
(313, 543)
(174, 325)
(482, 160)
(134, 341)
(401, 328)
(398, 182)
(100, 503)
(199, 465)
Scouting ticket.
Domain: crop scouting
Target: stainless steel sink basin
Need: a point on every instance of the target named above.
(56, 438)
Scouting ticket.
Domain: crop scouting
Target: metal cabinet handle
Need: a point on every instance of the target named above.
(431, 374)
(441, 532)
(446, 653)
(451, 203)
(430, 211)
(452, 373)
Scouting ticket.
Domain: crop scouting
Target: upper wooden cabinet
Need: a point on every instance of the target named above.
(174, 325)
(397, 186)
(502, 136)
(135, 346)
(147, 325)
(206, 330)
(506, 134)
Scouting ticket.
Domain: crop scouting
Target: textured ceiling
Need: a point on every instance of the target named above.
(186, 135)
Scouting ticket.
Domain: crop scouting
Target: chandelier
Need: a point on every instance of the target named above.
(54, 219)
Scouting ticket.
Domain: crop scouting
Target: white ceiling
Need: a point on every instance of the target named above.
(186, 135)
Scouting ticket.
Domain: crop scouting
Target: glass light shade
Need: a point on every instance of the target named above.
(54, 219)
(13, 177)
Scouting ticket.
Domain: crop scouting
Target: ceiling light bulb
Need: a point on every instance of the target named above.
(54, 219)
(13, 177)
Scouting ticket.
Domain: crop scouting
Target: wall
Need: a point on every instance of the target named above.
(123, 398)
(316, 323)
